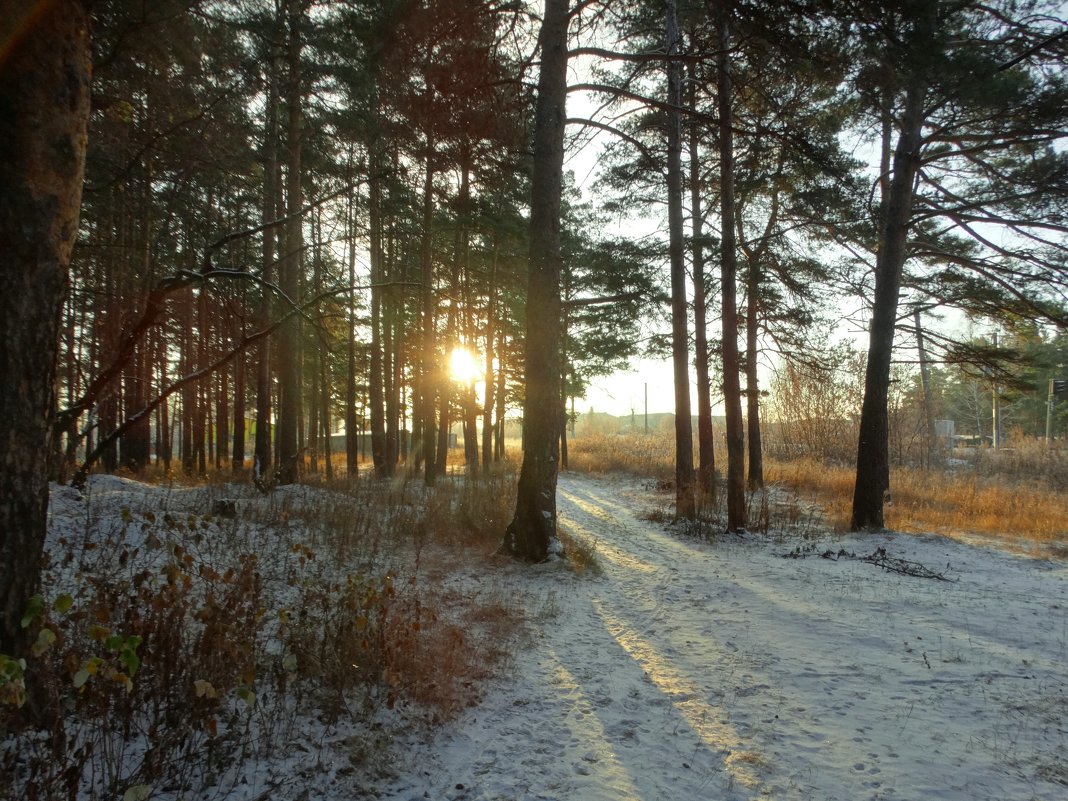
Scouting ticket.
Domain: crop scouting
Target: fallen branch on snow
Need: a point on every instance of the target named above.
(879, 558)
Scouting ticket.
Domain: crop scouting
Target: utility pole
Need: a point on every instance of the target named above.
(996, 407)
(1057, 387)
(1049, 412)
(647, 408)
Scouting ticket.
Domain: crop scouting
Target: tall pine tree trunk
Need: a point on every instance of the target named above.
(685, 493)
(377, 377)
(706, 452)
(263, 444)
(930, 439)
(237, 453)
(752, 387)
(428, 378)
(487, 407)
(44, 110)
(732, 390)
(873, 449)
(290, 265)
(532, 533)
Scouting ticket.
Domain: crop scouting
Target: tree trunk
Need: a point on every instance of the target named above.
(752, 388)
(502, 378)
(222, 419)
(203, 402)
(44, 109)
(487, 407)
(263, 444)
(532, 533)
(376, 378)
(425, 395)
(706, 452)
(930, 439)
(685, 495)
(237, 454)
(290, 265)
(732, 390)
(873, 458)
(165, 444)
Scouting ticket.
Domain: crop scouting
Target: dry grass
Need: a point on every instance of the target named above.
(207, 637)
(1015, 495)
(651, 455)
(947, 502)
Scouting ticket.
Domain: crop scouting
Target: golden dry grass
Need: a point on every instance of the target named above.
(650, 455)
(1013, 496)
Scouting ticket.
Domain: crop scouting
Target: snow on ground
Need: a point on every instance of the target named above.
(720, 670)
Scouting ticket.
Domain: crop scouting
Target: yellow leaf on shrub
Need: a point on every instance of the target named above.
(246, 695)
(361, 622)
(98, 633)
(205, 689)
(45, 638)
(139, 792)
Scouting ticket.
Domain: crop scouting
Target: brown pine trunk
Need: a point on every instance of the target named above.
(237, 454)
(498, 432)
(425, 394)
(487, 407)
(752, 388)
(290, 265)
(44, 109)
(873, 457)
(164, 444)
(531, 535)
(376, 379)
(203, 403)
(263, 444)
(706, 452)
(222, 419)
(685, 494)
(732, 390)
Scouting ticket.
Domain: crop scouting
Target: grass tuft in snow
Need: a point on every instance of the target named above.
(178, 648)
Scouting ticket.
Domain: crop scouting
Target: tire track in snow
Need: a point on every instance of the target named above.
(722, 672)
(848, 669)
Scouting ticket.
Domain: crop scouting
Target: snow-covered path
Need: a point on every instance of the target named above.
(692, 670)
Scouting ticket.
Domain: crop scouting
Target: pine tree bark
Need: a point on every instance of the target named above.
(873, 449)
(706, 451)
(237, 454)
(263, 443)
(44, 111)
(685, 492)
(752, 386)
(531, 535)
(290, 265)
(930, 439)
(487, 407)
(352, 434)
(428, 378)
(732, 391)
(376, 378)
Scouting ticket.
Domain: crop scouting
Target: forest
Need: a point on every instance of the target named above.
(342, 272)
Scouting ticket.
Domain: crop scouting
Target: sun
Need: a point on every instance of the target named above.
(463, 368)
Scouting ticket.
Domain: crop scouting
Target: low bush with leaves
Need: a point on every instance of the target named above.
(171, 646)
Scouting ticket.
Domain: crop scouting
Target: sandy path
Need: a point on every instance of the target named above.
(699, 671)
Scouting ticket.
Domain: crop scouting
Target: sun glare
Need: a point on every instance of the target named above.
(462, 366)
